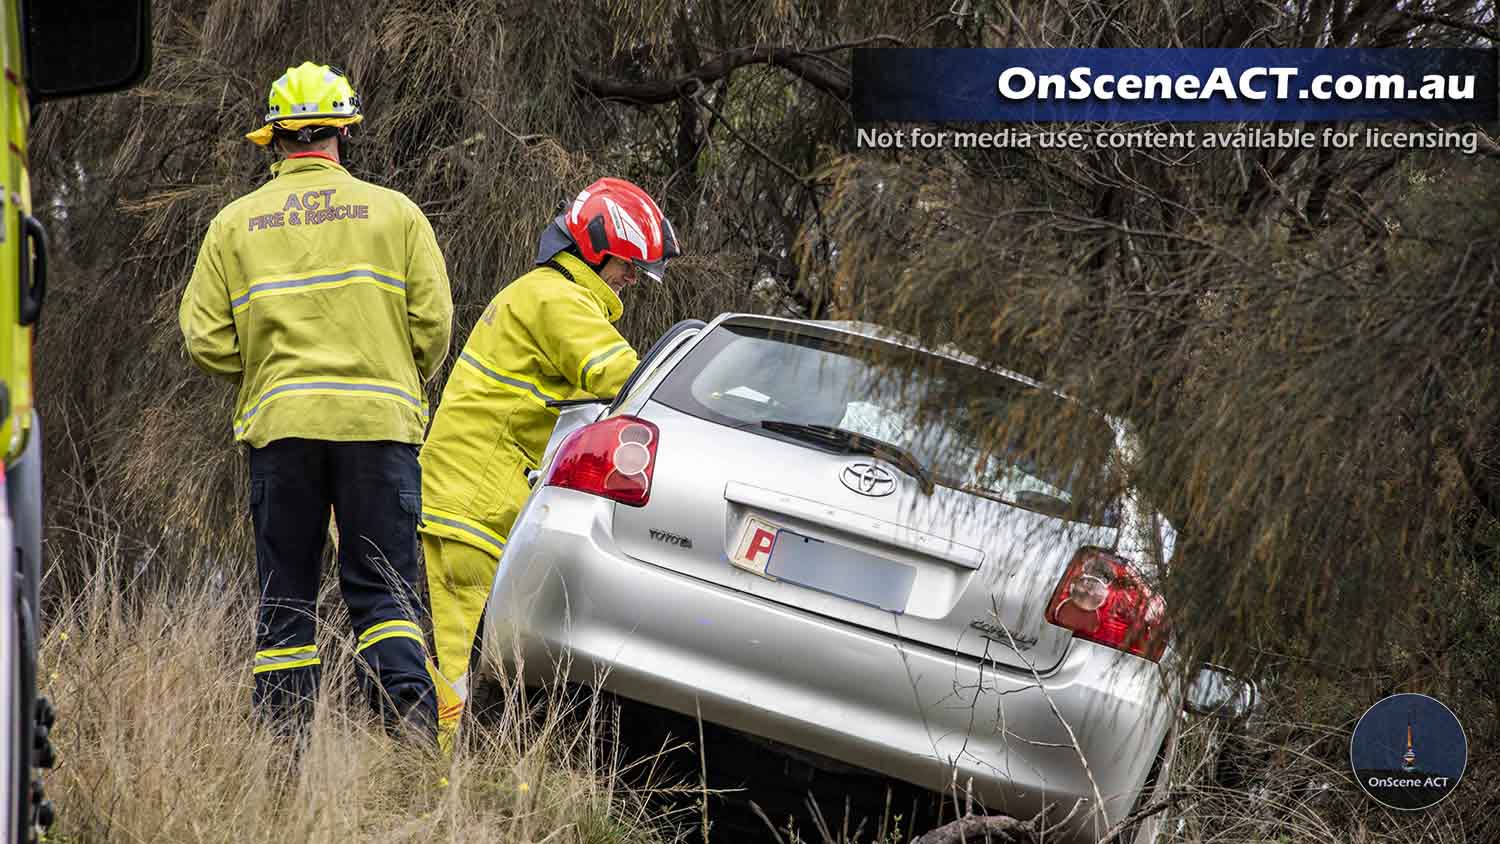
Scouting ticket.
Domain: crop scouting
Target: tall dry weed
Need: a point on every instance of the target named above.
(1291, 783)
(156, 741)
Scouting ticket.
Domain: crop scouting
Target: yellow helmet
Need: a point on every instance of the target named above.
(309, 95)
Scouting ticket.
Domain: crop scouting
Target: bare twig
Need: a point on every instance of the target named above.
(1114, 832)
(761, 813)
(803, 180)
(863, 42)
(808, 67)
(1452, 23)
(702, 767)
(1051, 704)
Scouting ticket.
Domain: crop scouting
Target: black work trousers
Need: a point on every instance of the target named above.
(374, 489)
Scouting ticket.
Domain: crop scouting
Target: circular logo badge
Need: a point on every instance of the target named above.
(1408, 751)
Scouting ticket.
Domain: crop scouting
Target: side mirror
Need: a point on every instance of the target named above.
(76, 47)
(1220, 693)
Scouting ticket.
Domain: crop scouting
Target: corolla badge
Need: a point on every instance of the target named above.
(868, 479)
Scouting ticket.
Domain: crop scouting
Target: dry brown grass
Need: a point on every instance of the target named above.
(156, 744)
(1300, 790)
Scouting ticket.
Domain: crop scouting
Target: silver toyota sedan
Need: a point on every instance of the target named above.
(766, 528)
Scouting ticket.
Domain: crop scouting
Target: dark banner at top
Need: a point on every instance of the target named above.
(1138, 85)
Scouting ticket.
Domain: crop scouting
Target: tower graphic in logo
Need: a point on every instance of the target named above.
(1409, 761)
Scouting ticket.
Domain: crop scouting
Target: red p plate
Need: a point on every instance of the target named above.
(763, 541)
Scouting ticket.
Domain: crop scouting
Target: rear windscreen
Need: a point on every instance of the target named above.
(973, 429)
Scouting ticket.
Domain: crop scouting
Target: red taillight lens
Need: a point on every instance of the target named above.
(1102, 599)
(613, 458)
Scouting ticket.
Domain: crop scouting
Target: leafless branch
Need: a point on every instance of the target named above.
(980, 828)
(1452, 23)
(1481, 481)
(1125, 823)
(751, 144)
(807, 65)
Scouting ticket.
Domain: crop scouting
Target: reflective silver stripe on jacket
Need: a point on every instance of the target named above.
(583, 374)
(328, 385)
(317, 279)
(504, 379)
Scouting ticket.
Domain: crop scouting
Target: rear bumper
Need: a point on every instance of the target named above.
(907, 711)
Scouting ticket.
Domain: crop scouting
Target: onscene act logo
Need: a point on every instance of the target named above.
(1408, 751)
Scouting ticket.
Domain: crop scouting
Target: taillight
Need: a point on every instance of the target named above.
(613, 458)
(1103, 599)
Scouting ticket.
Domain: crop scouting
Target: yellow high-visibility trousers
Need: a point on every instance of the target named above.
(459, 576)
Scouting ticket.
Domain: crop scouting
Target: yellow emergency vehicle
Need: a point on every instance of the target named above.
(52, 49)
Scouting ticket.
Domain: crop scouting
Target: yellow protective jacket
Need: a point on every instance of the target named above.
(542, 337)
(328, 298)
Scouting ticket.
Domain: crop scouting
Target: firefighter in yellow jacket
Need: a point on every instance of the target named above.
(547, 335)
(327, 299)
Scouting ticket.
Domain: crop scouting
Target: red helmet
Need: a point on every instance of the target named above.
(613, 217)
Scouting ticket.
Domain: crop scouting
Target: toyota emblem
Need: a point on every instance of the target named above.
(868, 479)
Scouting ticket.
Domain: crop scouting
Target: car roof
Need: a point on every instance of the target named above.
(872, 331)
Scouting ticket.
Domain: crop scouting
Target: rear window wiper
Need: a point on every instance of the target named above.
(849, 442)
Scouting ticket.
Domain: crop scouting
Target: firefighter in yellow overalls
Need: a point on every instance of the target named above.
(547, 335)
